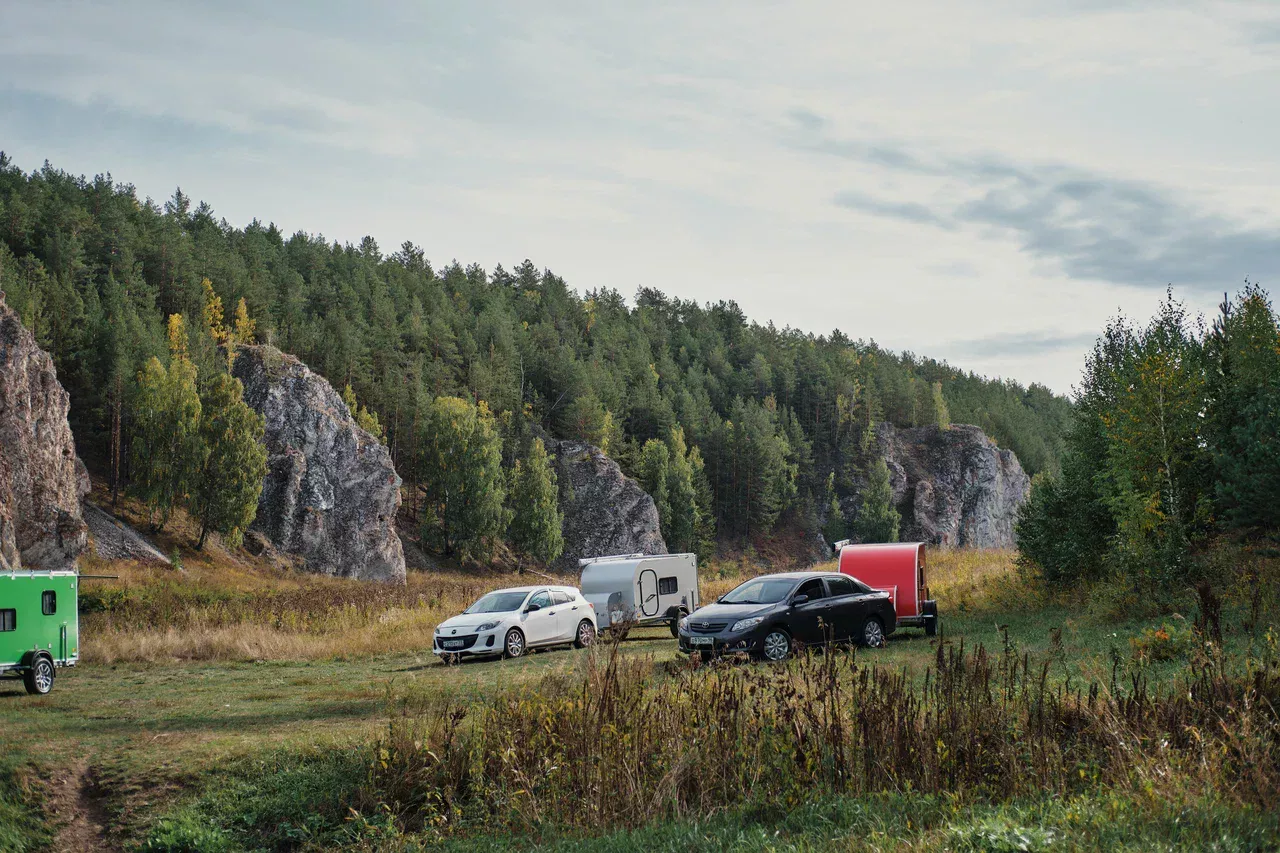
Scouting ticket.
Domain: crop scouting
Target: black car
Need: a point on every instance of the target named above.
(767, 616)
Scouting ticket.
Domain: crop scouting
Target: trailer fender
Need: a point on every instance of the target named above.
(38, 672)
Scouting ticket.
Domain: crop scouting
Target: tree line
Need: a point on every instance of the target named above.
(757, 421)
(1173, 440)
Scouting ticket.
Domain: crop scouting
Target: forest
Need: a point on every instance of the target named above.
(758, 423)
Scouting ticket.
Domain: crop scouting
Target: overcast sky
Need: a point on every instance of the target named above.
(983, 181)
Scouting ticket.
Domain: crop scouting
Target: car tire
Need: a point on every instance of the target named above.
(585, 635)
(513, 645)
(931, 626)
(776, 646)
(38, 679)
(873, 633)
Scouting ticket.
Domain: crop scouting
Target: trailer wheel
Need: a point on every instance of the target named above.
(675, 622)
(872, 633)
(930, 610)
(586, 634)
(513, 646)
(38, 679)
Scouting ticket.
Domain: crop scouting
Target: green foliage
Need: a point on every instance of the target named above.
(365, 419)
(168, 453)
(1173, 437)
(878, 518)
(95, 271)
(835, 527)
(536, 520)
(463, 479)
(226, 495)
(652, 473)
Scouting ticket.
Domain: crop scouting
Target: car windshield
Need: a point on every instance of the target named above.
(760, 591)
(498, 602)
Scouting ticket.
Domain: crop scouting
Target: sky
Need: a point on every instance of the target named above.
(981, 181)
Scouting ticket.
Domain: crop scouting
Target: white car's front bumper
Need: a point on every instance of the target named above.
(483, 643)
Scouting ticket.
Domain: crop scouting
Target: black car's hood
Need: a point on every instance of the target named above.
(718, 612)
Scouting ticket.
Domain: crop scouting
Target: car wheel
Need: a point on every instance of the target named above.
(873, 633)
(776, 646)
(39, 678)
(675, 623)
(586, 634)
(513, 646)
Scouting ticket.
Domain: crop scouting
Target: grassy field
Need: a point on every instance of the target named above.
(230, 707)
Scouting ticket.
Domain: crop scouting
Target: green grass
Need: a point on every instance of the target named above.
(270, 755)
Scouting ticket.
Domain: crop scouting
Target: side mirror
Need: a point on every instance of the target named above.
(799, 599)
(532, 607)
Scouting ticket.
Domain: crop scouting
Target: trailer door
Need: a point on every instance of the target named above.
(648, 592)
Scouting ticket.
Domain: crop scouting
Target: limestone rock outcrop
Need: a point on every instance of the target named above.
(953, 487)
(331, 493)
(605, 512)
(41, 482)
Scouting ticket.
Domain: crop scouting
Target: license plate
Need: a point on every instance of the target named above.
(701, 641)
(453, 644)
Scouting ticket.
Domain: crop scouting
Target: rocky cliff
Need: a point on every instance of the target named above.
(953, 486)
(41, 479)
(331, 493)
(605, 512)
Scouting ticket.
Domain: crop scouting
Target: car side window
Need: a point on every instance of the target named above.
(812, 588)
(542, 599)
(841, 586)
(861, 587)
(559, 597)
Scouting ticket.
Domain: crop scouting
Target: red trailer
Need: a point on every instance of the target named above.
(897, 569)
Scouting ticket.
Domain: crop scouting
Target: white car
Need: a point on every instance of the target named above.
(510, 622)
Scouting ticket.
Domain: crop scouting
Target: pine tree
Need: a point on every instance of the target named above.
(942, 414)
(654, 462)
(682, 497)
(463, 479)
(877, 519)
(225, 499)
(167, 450)
(835, 527)
(536, 520)
(364, 418)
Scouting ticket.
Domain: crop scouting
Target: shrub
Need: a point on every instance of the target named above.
(1173, 640)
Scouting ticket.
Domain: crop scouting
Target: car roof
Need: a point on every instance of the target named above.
(527, 589)
(797, 576)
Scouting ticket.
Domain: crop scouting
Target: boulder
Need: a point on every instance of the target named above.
(41, 478)
(331, 493)
(605, 511)
(953, 487)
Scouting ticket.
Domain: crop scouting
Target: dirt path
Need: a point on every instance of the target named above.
(77, 805)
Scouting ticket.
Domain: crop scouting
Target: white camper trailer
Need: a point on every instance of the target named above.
(641, 589)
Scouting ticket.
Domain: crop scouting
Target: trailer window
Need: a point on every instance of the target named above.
(668, 586)
(8, 620)
(48, 602)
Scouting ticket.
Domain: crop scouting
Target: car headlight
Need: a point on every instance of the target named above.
(684, 623)
(747, 624)
(488, 626)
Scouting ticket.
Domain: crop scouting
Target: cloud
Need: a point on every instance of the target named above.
(909, 211)
(1028, 344)
(1090, 225)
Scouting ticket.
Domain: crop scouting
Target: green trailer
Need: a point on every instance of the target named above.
(39, 626)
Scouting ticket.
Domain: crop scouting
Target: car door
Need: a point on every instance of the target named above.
(539, 625)
(847, 607)
(809, 620)
(565, 608)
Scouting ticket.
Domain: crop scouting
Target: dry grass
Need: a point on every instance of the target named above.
(228, 612)
(630, 742)
(228, 607)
